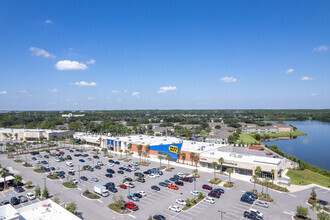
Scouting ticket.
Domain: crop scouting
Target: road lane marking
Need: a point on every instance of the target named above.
(292, 195)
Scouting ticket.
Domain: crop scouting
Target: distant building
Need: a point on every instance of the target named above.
(70, 115)
(274, 128)
(8, 134)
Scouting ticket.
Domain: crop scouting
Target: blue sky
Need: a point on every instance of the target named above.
(58, 55)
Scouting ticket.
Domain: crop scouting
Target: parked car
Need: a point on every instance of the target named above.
(220, 190)
(81, 160)
(174, 208)
(141, 180)
(155, 188)
(132, 197)
(186, 179)
(138, 195)
(112, 189)
(205, 186)
(97, 167)
(30, 196)
(128, 184)
(94, 179)
(110, 165)
(4, 202)
(152, 176)
(248, 215)
(209, 200)
(71, 173)
(173, 186)
(159, 217)
(247, 199)
(109, 170)
(120, 172)
(168, 182)
(180, 202)
(322, 202)
(109, 175)
(143, 193)
(123, 186)
(214, 194)
(117, 162)
(14, 200)
(96, 157)
(19, 189)
(129, 179)
(22, 198)
(163, 184)
(194, 193)
(180, 183)
(254, 196)
(131, 205)
(111, 161)
(83, 178)
(68, 157)
(262, 204)
(257, 213)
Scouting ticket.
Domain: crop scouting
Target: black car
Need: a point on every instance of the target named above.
(158, 217)
(77, 155)
(176, 177)
(91, 169)
(155, 188)
(61, 173)
(129, 179)
(322, 202)
(120, 172)
(128, 170)
(112, 189)
(68, 157)
(117, 162)
(111, 161)
(139, 174)
(47, 151)
(71, 151)
(110, 170)
(138, 195)
(61, 176)
(254, 196)
(109, 175)
(141, 180)
(248, 215)
(14, 201)
(83, 178)
(34, 153)
(44, 162)
(46, 156)
(220, 190)
(97, 167)
(96, 157)
(19, 189)
(173, 179)
(121, 168)
(109, 184)
(163, 184)
(247, 199)
(180, 183)
(147, 172)
(186, 179)
(33, 158)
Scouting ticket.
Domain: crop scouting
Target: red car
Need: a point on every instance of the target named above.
(132, 206)
(123, 186)
(205, 186)
(71, 173)
(269, 153)
(57, 149)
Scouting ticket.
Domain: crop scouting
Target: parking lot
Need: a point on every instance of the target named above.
(156, 202)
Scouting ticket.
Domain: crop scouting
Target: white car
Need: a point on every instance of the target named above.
(194, 193)
(174, 208)
(143, 193)
(153, 176)
(57, 159)
(57, 167)
(110, 164)
(71, 170)
(37, 161)
(157, 174)
(128, 184)
(257, 212)
(30, 196)
(180, 202)
(133, 169)
(75, 182)
(209, 200)
(99, 163)
(262, 204)
(180, 174)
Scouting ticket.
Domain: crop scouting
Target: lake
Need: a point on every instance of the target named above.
(313, 148)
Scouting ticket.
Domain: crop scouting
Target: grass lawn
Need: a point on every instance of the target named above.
(305, 177)
(286, 134)
(69, 185)
(247, 139)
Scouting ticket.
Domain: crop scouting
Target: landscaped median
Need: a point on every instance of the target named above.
(262, 196)
(52, 176)
(27, 165)
(39, 171)
(143, 164)
(18, 161)
(191, 202)
(272, 186)
(215, 181)
(69, 185)
(228, 184)
(120, 209)
(89, 195)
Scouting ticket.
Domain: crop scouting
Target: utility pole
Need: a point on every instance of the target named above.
(45, 182)
(195, 184)
(79, 172)
(221, 213)
(93, 161)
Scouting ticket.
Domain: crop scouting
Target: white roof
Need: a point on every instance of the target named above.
(8, 212)
(10, 130)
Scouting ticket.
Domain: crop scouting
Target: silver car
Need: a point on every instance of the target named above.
(262, 204)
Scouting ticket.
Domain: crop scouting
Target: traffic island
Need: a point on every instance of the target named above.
(120, 209)
(69, 185)
(229, 184)
(27, 165)
(168, 170)
(143, 164)
(262, 196)
(53, 176)
(18, 161)
(215, 181)
(89, 195)
(39, 171)
(190, 203)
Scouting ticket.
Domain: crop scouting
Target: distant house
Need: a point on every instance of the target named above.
(274, 128)
(70, 115)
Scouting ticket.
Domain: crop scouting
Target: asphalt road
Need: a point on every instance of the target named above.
(158, 202)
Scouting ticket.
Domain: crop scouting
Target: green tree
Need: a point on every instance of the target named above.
(301, 211)
(214, 165)
(56, 200)
(37, 190)
(168, 158)
(126, 152)
(313, 194)
(192, 154)
(200, 195)
(71, 207)
(266, 182)
(160, 160)
(196, 158)
(323, 216)
(4, 173)
(229, 171)
(183, 156)
(258, 170)
(150, 217)
(254, 177)
(45, 193)
(272, 172)
(18, 180)
(221, 161)
(188, 202)
(121, 154)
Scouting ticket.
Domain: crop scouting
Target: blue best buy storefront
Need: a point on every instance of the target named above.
(171, 149)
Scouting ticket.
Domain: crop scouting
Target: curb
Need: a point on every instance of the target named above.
(88, 198)
(120, 213)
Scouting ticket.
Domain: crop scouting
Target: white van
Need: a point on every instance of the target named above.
(69, 164)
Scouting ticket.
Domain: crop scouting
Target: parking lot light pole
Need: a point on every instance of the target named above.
(221, 213)
(79, 172)
(93, 161)
(195, 185)
(129, 192)
(45, 182)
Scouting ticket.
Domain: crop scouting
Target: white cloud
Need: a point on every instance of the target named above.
(52, 90)
(90, 98)
(41, 52)
(24, 91)
(91, 61)
(48, 21)
(166, 89)
(83, 83)
(115, 91)
(306, 78)
(321, 48)
(51, 103)
(135, 93)
(70, 65)
(126, 90)
(315, 94)
(290, 70)
(228, 79)
(4, 92)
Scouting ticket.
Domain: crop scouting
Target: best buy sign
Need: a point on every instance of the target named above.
(173, 149)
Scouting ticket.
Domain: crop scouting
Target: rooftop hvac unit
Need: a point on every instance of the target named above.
(164, 139)
(152, 136)
(161, 144)
(240, 156)
(199, 149)
(212, 153)
(141, 138)
(192, 142)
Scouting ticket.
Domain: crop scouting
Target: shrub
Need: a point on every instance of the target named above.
(311, 201)
(188, 203)
(18, 161)
(38, 170)
(193, 201)
(215, 181)
(69, 185)
(200, 195)
(227, 184)
(91, 195)
(168, 170)
(27, 165)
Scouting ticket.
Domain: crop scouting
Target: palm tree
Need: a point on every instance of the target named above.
(196, 158)
(214, 165)
(179, 154)
(139, 147)
(4, 173)
(229, 171)
(140, 154)
(258, 171)
(254, 177)
(160, 160)
(168, 158)
(192, 154)
(17, 180)
(272, 172)
(121, 153)
(266, 181)
(183, 155)
(126, 152)
(221, 161)
(145, 155)
(129, 146)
